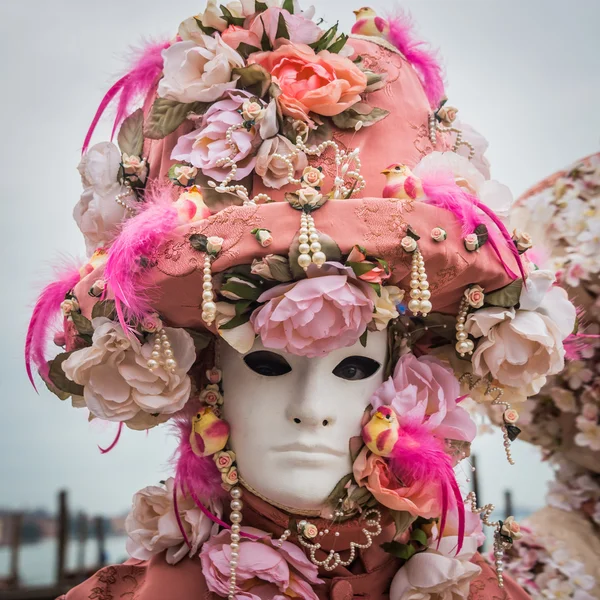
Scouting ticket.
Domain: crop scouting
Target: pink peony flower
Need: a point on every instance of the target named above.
(205, 146)
(324, 83)
(329, 310)
(424, 389)
(300, 29)
(263, 571)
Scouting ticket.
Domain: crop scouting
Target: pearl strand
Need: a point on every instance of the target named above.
(419, 287)
(120, 199)
(459, 141)
(209, 308)
(505, 438)
(162, 355)
(463, 344)
(432, 126)
(309, 243)
(236, 518)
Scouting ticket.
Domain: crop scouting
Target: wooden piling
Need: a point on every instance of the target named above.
(62, 533)
(82, 535)
(16, 525)
(508, 504)
(99, 529)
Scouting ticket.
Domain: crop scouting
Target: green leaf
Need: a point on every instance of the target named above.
(242, 306)
(245, 50)
(60, 380)
(363, 338)
(282, 30)
(375, 81)
(167, 115)
(402, 519)
(339, 491)
(231, 20)
(205, 30)
(412, 233)
(360, 268)
(254, 79)
(82, 324)
(243, 291)
(338, 44)
(51, 387)
(325, 39)
(201, 340)
(403, 551)
(265, 42)
(289, 6)
(506, 297)
(482, 234)
(236, 321)
(104, 308)
(418, 535)
(260, 7)
(131, 134)
(351, 116)
(198, 242)
(376, 287)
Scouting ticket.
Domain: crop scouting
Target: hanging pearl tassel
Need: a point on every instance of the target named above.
(432, 126)
(162, 355)
(209, 308)
(463, 344)
(236, 518)
(309, 243)
(419, 287)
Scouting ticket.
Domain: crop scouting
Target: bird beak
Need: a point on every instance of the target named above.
(385, 171)
(379, 415)
(356, 12)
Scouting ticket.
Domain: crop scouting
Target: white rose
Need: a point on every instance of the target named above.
(385, 306)
(185, 174)
(136, 166)
(152, 525)
(117, 382)
(252, 110)
(241, 338)
(97, 213)
(522, 347)
(475, 296)
(198, 70)
(214, 244)
(408, 243)
(309, 196)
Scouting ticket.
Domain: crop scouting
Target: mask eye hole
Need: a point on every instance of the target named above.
(355, 368)
(268, 364)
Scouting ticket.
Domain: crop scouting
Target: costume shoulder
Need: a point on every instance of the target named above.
(153, 579)
(485, 585)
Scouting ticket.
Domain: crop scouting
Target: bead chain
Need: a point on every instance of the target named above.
(162, 355)
(309, 243)
(506, 439)
(419, 287)
(234, 544)
(432, 133)
(120, 199)
(463, 344)
(209, 308)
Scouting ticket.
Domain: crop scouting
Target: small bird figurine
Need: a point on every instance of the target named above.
(380, 434)
(209, 433)
(368, 23)
(401, 183)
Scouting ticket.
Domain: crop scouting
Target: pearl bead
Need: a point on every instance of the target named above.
(236, 505)
(421, 270)
(303, 238)
(426, 306)
(462, 348)
(168, 353)
(414, 284)
(415, 294)
(152, 364)
(207, 296)
(422, 277)
(304, 261)
(207, 277)
(315, 247)
(236, 516)
(461, 336)
(235, 554)
(319, 258)
(414, 306)
(235, 537)
(170, 363)
(235, 492)
(303, 230)
(210, 307)
(155, 354)
(471, 345)
(206, 317)
(314, 237)
(304, 248)
(460, 327)
(207, 286)
(424, 285)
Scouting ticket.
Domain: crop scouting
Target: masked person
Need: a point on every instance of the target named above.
(297, 257)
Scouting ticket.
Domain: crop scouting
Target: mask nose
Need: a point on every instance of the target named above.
(308, 407)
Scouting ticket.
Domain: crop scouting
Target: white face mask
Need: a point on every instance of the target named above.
(292, 417)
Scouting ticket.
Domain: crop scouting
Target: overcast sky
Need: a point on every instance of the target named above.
(525, 73)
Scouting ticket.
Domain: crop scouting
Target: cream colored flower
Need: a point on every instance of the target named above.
(199, 70)
(438, 234)
(471, 242)
(312, 177)
(252, 110)
(475, 296)
(135, 166)
(117, 382)
(522, 240)
(242, 337)
(224, 460)
(184, 174)
(272, 267)
(152, 525)
(309, 196)
(273, 170)
(522, 347)
(97, 213)
(408, 243)
(385, 306)
(214, 244)
(68, 306)
(511, 528)
(230, 477)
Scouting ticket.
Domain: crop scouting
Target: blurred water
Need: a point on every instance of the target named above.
(37, 562)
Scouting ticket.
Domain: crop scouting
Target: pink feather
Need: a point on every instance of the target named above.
(418, 55)
(139, 239)
(417, 457)
(46, 309)
(442, 191)
(147, 65)
(114, 442)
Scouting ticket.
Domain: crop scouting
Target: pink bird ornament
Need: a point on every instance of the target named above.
(368, 23)
(401, 183)
(209, 433)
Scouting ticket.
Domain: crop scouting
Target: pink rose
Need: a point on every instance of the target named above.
(211, 395)
(263, 571)
(214, 375)
(312, 176)
(475, 296)
(230, 477)
(272, 169)
(204, 147)
(425, 390)
(438, 234)
(329, 310)
(471, 242)
(511, 416)
(408, 243)
(325, 83)
(300, 29)
(375, 275)
(224, 460)
(357, 254)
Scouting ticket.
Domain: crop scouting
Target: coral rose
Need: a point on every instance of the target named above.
(324, 83)
(329, 310)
